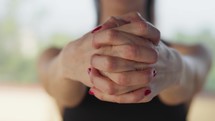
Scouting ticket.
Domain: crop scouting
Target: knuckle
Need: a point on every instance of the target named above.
(147, 76)
(157, 36)
(95, 40)
(130, 51)
(109, 89)
(110, 22)
(93, 59)
(147, 79)
(111, 34)
(112, 19)
(109, 64)
(143, 26)
(136, 16)
(154, 55)
(135, 13)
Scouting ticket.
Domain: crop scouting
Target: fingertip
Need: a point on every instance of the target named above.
(89, 71)
(147, 92)
(91, 92)
(96, 29)
(95, 72)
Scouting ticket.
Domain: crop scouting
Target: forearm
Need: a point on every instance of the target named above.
(68, 93)
(196, 64)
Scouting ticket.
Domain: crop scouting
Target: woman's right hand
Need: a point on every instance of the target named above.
(75, 58)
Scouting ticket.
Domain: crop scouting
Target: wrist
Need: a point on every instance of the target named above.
(181, 90)
(171, 64)
(187, 80)
(179, 67)
(65, 61)
(174, 65)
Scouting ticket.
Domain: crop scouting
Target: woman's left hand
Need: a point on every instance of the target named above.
(167, 73)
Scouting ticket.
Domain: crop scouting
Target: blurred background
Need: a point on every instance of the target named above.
(27, 27)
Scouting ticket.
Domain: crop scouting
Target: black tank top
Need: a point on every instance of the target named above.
(92, 109)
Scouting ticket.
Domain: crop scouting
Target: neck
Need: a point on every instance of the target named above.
(107, 11)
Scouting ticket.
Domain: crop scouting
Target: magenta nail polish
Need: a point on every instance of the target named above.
(89, 70)
(154, 73)
(96, 29)
(147, 92)
(91, 92)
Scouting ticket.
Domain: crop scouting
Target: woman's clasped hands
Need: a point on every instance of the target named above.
(124, 61)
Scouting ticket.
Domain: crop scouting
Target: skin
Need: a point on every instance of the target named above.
(123, 56)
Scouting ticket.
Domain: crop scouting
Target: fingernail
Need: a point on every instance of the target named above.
(154, 73)
(96, 29)
(147, 92)
(91, 92)
(89, 70)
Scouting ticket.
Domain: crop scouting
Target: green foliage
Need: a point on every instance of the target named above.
(210, 85)
(15, 66)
